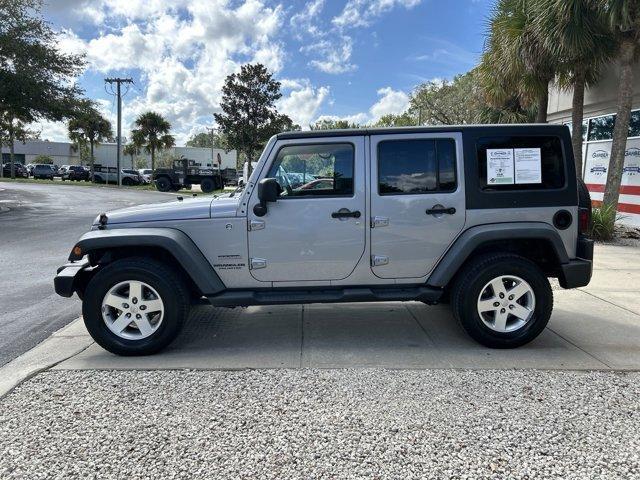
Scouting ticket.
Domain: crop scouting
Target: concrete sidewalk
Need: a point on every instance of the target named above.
(597, 327)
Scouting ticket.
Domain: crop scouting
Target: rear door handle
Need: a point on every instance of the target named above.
(441, 211)
(346, 213)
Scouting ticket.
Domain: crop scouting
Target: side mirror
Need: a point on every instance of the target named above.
(268, 191)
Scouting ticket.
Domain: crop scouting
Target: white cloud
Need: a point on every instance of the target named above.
(391, 102)
(335, 58)
(360, 13)
(303, 101)
(305, 20)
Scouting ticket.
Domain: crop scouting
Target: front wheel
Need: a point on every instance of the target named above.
(135, 306)
(207, 185)
(163, 184)
(502, 300)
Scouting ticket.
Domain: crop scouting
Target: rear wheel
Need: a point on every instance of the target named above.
(502, 300)
(163, 184)
(207, 185)
(127, 182)
(135, 306)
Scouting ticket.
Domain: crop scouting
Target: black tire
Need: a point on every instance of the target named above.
(470, 283)
(170, 287)
(207, 185)
(163, 184)
(127, 182)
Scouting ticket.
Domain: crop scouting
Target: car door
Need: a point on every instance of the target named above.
(417, 201)
(312, 232)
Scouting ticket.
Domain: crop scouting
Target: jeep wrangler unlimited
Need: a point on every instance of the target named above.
(477, 216)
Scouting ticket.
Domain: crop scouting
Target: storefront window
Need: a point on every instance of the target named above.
(634, 124)
(601, 128)
(584, 128)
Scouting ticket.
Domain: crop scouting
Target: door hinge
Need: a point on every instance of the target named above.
(256, 225)
(377, 222)
(257, 263)
(378, 260)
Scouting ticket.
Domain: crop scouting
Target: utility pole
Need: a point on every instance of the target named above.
(118, 82)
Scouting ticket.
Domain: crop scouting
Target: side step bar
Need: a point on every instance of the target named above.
(245, 298)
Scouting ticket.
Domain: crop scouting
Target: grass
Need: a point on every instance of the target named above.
(603, 221)
(147, 187)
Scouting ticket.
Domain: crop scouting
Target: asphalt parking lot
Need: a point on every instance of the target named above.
(39, 224)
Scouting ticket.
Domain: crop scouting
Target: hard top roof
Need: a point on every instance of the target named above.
(491, 129)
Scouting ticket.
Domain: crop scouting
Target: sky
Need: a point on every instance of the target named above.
(348, 59)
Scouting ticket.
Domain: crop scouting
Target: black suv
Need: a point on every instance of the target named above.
(75, 172)
(19, 169)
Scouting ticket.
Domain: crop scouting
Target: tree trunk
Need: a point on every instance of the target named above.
(153, 159)
(92, 160)
(1, 161)
(543, 104)
(12, 157)
(577, 116)
(621, 130)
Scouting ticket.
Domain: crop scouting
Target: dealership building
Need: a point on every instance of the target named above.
(597, 132)
(63, 153)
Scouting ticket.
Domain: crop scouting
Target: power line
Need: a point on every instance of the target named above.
(119, 81)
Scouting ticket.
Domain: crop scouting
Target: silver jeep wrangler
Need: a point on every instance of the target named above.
(476, 216)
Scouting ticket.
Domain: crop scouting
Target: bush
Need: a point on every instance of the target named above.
(603, 221)
(43, 159)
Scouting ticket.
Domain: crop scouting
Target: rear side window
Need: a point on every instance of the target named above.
(520, 163)
(416, 166)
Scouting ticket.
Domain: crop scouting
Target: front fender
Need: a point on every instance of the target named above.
(174, 242)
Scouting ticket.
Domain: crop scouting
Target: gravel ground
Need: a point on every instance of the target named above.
(322, 424)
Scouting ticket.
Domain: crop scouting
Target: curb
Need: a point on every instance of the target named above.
(61, 345)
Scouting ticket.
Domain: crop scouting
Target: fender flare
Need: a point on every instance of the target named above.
(469, 240)
(175, 242)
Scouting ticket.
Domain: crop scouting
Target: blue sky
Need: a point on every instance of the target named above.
(355, 59)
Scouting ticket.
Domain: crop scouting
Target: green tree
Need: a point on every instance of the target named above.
(333, 124)
(624, 18)
(152, 134)
(207, 140)
(405, 119)
(36, 79)
(132, 150)
(516, 59)
(249, 116)
(89, 127)
(45, 159)
(577, 33)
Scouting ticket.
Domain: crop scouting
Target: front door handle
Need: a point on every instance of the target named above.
(441, 211)
(346, 213)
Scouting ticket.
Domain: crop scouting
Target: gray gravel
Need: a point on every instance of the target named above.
(322, 424)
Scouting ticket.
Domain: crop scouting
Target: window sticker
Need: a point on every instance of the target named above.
(500, 166)
(528, 165)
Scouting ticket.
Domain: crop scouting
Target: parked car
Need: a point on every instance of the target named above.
(134, 173)
(29, 167)
(75, 173)
(42, 171)
(103, 174)
(476, 216)
(146, 174)
(19, 170)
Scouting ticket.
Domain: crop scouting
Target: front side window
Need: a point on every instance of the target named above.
(416, 166)
(314, 170)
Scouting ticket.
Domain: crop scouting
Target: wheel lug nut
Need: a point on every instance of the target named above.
(502, 310)
(511, 307)
(496, 304)
(501, 295)
(510, 297)
(143, 307)
(128, 315)
(138, 316)
(125, 305)
(134, 300)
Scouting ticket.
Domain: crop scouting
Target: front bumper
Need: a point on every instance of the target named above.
(577, 273)
(65, 281)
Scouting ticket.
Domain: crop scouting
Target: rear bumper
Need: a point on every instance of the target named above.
(577, 273)
(65, 281)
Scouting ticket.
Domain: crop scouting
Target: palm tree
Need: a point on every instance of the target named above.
(132, 150)
(152, 134)
(624, 17)
(88, 126)
(516, 58)
(576, 32)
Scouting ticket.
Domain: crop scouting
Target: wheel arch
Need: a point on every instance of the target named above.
(537, 241)
(167, 245)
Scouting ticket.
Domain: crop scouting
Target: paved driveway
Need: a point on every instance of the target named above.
(39, 224)
(597, 327)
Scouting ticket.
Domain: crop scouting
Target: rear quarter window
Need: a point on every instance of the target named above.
(551, 162)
